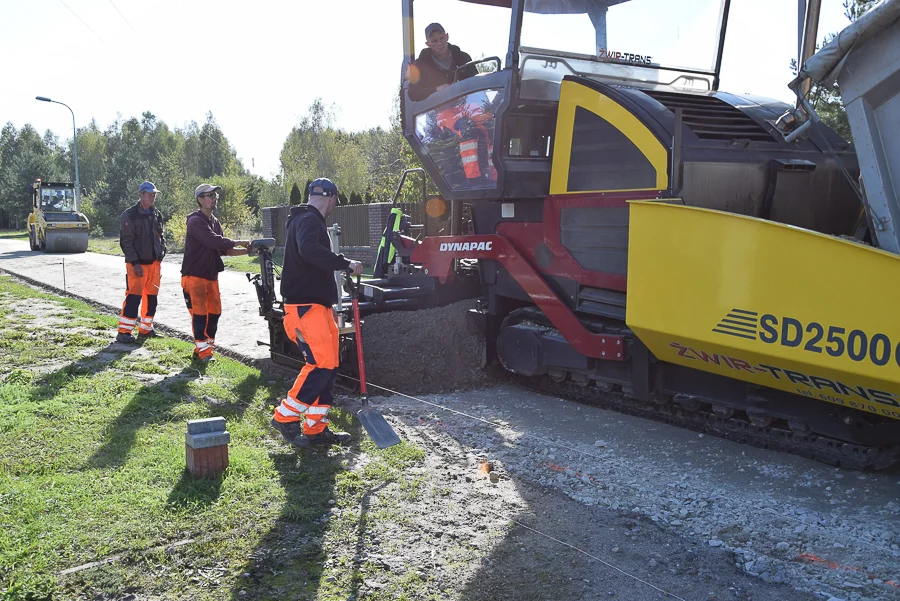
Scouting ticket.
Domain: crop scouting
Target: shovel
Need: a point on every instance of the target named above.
(379, 430)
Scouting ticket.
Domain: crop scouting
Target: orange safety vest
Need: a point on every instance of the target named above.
(468, 148)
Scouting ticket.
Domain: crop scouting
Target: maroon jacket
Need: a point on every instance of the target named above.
(430, 76)
(204, 246)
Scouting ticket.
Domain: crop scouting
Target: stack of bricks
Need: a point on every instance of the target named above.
(378, 216)
(273, 223)
(206, 447)
(269, 217)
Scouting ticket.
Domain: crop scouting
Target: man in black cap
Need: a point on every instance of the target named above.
(437, 65)
(309, 291)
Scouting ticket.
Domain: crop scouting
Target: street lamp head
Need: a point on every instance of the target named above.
(74, 145)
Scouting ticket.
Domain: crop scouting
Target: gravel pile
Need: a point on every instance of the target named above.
(421, 352)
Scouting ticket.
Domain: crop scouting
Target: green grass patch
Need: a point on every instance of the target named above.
(240, 263)
(14, 234)
(247, 263)
(105, 245)
(92, 468)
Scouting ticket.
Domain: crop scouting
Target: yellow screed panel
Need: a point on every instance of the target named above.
(573, 95)
(766, 303)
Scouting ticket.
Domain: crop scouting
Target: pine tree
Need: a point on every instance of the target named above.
(296, 197)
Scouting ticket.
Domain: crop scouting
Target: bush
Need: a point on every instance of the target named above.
(94, 218)
(175, 232)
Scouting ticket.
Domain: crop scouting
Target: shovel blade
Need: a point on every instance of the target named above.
(379, 430)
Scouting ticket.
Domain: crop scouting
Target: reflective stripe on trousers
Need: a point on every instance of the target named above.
(204, 303)
(140, 291)
(313, 329)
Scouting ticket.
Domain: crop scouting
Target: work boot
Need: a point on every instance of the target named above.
(326, 436)
(126, 338)
(207, 359)
(151, 334)
(291, 432)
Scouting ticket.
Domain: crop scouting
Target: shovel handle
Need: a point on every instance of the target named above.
(359, 351)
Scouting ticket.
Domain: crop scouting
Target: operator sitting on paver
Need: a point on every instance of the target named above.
(141, 240)
(309, 291)
(204, 246)
(437, 65)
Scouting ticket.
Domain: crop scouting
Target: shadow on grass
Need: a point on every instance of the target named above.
(154, 404)
(289, 560)
(49, 383)
(192, 493)
(364, 504)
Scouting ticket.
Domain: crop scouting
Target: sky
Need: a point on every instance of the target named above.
(258, 66)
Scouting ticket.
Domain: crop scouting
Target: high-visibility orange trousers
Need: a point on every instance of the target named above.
(140, 291)
(313, 329)
(205, 306)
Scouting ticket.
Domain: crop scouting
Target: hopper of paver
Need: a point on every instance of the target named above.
(775, 306)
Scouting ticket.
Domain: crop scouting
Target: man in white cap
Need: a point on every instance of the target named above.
(204, 246)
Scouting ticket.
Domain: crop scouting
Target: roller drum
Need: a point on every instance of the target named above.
(62, 241)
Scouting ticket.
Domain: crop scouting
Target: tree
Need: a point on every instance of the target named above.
(296, 197)
(827, 100)
(112, 163)
(24, 156)
(215, 157)
(92, 156)
(315, 148)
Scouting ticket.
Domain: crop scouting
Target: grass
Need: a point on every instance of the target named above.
(247, 263)
(92, 467)
(104, 245)
(244, 263)
(109, 245)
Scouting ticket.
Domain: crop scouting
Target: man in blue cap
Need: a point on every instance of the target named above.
(142, 242)
(437, 64)
(309, 291)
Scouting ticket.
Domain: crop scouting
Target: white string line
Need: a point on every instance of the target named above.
(480, 419)
(591, 555)
(609, 565)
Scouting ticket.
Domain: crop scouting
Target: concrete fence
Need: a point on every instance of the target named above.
(361, 226)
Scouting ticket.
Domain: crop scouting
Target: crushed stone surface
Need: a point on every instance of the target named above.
(426, 351)
(742, 525)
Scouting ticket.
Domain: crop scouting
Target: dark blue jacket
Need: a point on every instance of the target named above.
(307, 276)
(141, 235)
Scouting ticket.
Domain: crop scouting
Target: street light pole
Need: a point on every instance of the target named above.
(75, 143)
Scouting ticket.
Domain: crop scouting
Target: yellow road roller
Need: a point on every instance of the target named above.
(55, 224)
